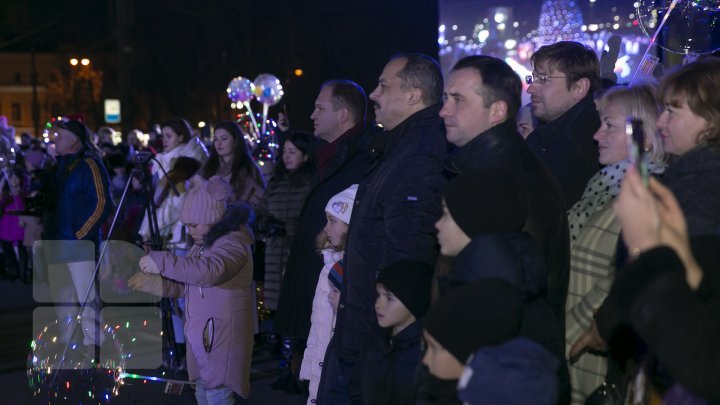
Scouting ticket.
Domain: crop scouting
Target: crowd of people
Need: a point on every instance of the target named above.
(461, 248)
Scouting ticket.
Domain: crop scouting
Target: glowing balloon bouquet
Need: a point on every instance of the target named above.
(266, 89)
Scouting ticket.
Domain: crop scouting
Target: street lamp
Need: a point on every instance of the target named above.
(76, 61)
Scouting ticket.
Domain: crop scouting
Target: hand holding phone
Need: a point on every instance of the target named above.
(636, 147)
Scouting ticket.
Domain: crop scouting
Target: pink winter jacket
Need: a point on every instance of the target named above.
(217, 284)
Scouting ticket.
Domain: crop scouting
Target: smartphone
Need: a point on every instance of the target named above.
(636, 147)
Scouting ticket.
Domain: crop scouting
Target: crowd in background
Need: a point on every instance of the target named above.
(467, 249)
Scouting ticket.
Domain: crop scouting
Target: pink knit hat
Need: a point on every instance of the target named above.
(205, 204)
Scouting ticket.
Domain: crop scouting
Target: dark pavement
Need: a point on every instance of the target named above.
(16, 309)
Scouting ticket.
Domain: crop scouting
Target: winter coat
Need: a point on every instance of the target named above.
(216, 281)
(252, 191)
(516, 258)
(388, 375)
(567, 147)
(396, 207)
(321, 331)
(694, 178)
(679, 326)
(303, 263)
(278, 213)
(592, 273)
(501, 146)
(78, 193)
(168, 213)
(595, 233)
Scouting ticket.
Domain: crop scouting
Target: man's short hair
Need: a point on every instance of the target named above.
(348, 94)
(500, 82)
(575, 60)
(422, 72)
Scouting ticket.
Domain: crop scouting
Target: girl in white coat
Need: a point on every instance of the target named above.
(332, 242)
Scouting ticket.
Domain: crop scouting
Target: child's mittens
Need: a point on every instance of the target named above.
(148, 283)
(147, 265)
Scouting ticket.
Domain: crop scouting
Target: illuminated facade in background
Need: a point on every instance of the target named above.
(502, 34)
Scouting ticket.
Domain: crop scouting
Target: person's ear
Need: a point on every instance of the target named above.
(498, 112)
(580, 88)
(343, 115)
(415, 96)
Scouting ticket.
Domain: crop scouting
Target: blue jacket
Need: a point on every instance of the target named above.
(79, 203)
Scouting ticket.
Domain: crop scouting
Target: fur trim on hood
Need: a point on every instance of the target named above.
(236, 216)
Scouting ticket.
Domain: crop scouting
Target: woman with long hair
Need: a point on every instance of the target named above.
(280, 209)
(230, 159)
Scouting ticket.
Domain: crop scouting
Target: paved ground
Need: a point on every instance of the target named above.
(16, 306)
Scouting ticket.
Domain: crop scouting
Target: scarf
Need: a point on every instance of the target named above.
(601, 189)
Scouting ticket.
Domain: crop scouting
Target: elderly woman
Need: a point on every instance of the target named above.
(594, 229)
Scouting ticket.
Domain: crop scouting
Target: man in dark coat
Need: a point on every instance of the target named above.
(339, 118)
(482, 99)
(395, 208)
(561, 90)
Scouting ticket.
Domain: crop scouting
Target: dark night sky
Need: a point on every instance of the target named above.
(183, 53)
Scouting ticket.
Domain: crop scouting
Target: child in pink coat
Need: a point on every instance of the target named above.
(215, 278)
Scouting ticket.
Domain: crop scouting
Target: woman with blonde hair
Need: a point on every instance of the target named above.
(594, 229)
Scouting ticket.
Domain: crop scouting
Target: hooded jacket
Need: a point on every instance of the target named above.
(216, 283)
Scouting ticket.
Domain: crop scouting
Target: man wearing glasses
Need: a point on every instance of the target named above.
(565, 75)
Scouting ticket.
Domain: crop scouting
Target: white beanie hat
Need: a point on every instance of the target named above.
(205, 204)
(341, 204)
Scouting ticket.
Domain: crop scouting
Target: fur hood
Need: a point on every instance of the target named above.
(237, 216)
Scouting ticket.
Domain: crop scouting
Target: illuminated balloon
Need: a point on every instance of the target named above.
(268, 89)
(692, 26)
(240, 90)
(263, 154)
(253, 129)
(61, 373)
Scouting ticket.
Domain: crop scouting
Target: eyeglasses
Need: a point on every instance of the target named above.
(540, 79)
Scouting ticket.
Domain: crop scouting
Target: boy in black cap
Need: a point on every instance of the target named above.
(484, 214)
(404, 291)
(484, 313)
